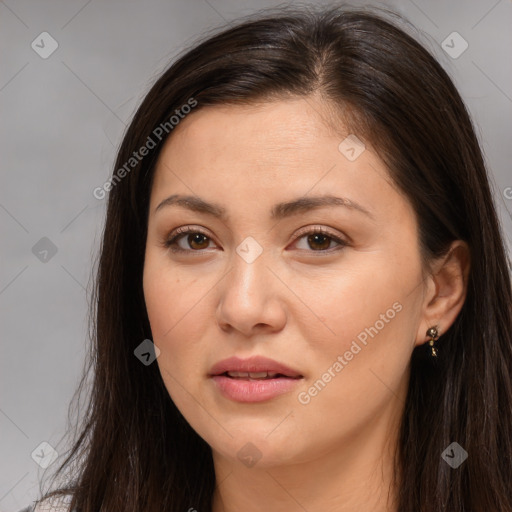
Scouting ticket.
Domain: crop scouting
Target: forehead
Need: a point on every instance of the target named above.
(277, 139)
(294, 125)
(299, 113)
(262, 154)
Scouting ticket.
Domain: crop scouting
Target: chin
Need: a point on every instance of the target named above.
(253, 446)
(254, 452)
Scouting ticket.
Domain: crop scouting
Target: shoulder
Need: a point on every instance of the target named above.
(60, 504)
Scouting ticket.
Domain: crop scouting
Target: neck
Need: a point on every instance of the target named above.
(355, 476)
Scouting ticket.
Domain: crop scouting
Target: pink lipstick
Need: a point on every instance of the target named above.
(255, 379)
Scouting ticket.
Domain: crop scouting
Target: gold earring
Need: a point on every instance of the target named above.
(433, 334)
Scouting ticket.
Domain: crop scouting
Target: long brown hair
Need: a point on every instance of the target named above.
(134, 450)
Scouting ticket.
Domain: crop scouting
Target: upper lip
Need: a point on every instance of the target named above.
(252, 364)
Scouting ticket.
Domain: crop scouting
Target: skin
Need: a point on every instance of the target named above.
(294, 303)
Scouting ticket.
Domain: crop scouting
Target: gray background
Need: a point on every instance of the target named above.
(61, 120)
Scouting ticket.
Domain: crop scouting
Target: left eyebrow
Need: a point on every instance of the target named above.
(279, 211)
(301, 204)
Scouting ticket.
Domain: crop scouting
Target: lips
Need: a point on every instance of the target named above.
(253, 375)
(253, 380)
(253, 368)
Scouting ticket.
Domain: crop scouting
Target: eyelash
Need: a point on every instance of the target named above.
(170, 243)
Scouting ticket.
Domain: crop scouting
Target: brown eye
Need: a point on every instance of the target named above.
(188, 240)
(198, 241)
(318, 241)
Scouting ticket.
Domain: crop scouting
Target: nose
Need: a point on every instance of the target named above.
(251, 299)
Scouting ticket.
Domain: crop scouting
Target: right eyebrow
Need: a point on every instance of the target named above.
(194, 203)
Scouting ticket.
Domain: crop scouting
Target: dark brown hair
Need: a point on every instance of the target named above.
(135, 451)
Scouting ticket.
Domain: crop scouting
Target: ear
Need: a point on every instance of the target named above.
(445, 291)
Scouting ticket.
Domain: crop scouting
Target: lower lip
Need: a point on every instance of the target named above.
(245, 390)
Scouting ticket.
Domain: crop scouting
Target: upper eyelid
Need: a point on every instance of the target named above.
(319, 229)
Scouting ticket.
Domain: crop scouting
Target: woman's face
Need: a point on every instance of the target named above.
(341, 309)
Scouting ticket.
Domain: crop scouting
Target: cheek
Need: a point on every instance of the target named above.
(169, 295)
(364, 334)
(178, 313)
(361, 301)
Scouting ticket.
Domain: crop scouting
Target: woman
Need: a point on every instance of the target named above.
(303, 299)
